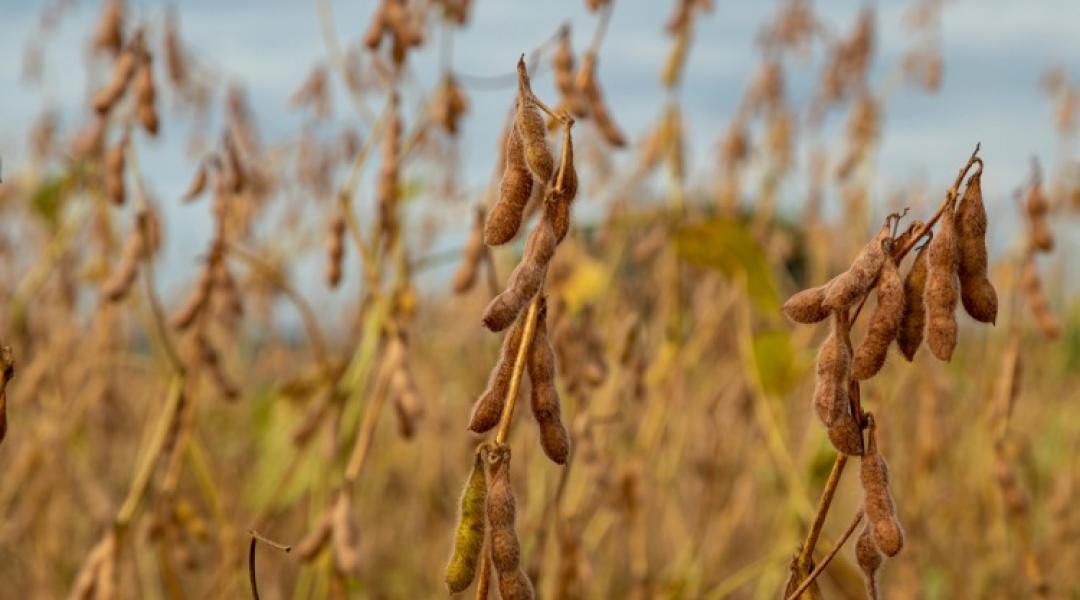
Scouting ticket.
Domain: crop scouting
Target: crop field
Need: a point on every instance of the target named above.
(586, 299)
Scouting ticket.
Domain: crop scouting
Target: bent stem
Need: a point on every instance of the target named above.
(519, 367)
(828, 557)
(823, 509)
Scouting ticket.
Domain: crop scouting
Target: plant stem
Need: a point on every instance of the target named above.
(828, 557)
(153, 452)
(823, 508)
(519, 367)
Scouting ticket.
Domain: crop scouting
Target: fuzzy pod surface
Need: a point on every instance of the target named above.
(849, 286)
(807, 306)
(514, 584)
(976, 292)
(877, 499)
(884, 323)
(831, 388)
(515, 187)
(544, 398)
(525, 280)
(943, 288)
(913, 321)
(489, 406)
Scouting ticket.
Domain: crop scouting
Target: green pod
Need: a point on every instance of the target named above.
(469, 538)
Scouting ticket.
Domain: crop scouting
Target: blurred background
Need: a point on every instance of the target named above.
(765, 143)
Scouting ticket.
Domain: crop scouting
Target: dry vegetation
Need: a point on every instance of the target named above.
(644, 421)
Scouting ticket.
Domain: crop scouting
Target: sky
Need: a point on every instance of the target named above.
(995, 52)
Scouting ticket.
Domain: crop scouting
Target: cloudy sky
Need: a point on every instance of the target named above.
(995, 52)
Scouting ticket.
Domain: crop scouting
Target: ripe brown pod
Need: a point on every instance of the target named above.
(884, 324)
(849, 286)
(545, 402)
(197, 185)
(942, 288)
(504, 218)
(388, 190)
(530, 125)
(869, 559)
(119, 282)
(525, 280)
(877, 500)
(316, 539)
(469, 536)
(562, 62)
(1035, 296)
(144, 96)
(345, 536)
(913, 322)
(335, 250)
(807, 306)
(831, 387)
(514, 584)
(108, 34)
(557, 205)
(123, 69)
(114, 171)
(976, 292)
(594, 98)
(489, 405)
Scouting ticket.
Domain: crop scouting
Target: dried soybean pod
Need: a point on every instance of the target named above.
(869, 559)
(877, 498)
(525, 280)
(942, 288)
(388, 187)
(197, 185)
(849, 286)
(831, 387)
(313, 543)
(108, 35)
(590, 89)
(469, 537)
(514, 584)
(563, 65)
(845, 434)
(976, 292)
(884, 324)
(119, 282)
(557, 207)
(192, 307)
(807, 306)
(123, 69)
(1031, 286)
(471, 256)
(114, 171)
(544, 398)
(144, 96)
(530, 125)
(489, 406)
(913, 323)
(343, 532)
(335, 250)
(504, 219)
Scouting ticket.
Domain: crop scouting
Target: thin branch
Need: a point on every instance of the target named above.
(519, 367)
(828, 557)
(823, 508)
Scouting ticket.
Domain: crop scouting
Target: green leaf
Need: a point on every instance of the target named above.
(726, 246)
